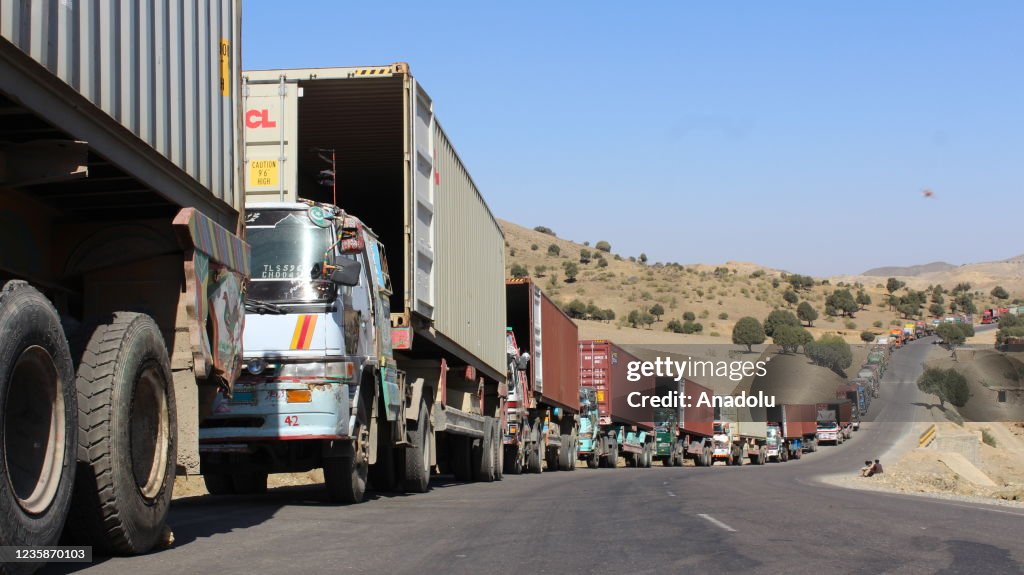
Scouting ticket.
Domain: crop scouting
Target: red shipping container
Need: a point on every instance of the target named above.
(697, 419)
(605, 366)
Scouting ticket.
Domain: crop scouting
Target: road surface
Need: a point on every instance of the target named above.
(751, 519)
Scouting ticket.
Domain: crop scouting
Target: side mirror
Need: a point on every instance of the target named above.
(524, 361)
(347, 273)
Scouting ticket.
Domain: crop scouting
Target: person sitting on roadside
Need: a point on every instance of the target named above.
(876, 468)
(868, 470)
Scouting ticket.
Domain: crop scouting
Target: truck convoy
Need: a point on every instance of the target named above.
(374, 364)
(543, 406)
(621, 429)
(739, 436)
(992, 315)
(122, 260)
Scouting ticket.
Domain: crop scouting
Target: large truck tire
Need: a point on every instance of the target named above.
(345, 476)
(414, 468)
(593, 461)
(38, 421)
(127, 434)
(483, 454)
(566, 461)
(219, 484)
(535, 455)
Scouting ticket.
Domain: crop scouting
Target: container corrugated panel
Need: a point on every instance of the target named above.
(605, 367)
(470, 261)
(166, 70)
(697, 419)
(561, 368)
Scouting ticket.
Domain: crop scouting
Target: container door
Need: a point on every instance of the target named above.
(424, 180)
(538, 348)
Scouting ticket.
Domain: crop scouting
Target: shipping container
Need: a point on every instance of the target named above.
(371, 135)
(167, 72)
(698, 420)
(604, 366)
(797, 420)
(551, 338)
(745, 423)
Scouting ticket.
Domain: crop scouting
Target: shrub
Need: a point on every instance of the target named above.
(554, 250)
(545, 230)
(723, 315)
(748, 331)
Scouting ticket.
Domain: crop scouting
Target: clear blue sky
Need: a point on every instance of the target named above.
(797, 135)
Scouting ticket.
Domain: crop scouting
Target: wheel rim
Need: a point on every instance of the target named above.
(149, 431)
(34, 430)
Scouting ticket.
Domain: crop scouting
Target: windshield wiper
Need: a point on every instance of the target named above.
(258, 306)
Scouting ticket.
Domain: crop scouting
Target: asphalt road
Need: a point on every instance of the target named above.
(752, 519)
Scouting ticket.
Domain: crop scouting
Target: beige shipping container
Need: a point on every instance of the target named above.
(396, 170)
(166, 71)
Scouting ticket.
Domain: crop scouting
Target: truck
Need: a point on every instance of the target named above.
(859, 394)
(897, 338)
(684, 432)
(542, 412)
(375, 326)
(740, 435)
(791, 431)
(909, 331)
(834, 421)
(122, 260)
(621, 430)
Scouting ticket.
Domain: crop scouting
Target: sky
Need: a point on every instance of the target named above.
(798, 135)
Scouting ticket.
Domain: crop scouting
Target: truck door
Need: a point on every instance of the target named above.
(424, 180)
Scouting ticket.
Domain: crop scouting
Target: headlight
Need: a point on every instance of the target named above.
(256, 366)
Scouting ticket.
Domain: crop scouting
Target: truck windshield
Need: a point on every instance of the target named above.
(287, 257)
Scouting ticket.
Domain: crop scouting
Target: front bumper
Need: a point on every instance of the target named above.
(263, 411)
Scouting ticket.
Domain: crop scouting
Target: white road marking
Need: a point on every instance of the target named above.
(716, 522)
(670, 494)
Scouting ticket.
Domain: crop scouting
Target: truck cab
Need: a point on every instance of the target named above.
(317, 355)
(829, 431)
(777, 450)
(723, 443)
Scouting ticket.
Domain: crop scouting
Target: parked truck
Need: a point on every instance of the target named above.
(684, 432)
(543, 407)
(834, 421)
(621, 429)
(380, 375)
(791, 431)
(740, 435)
(121, 260)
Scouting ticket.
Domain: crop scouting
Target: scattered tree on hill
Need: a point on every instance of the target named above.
(554, 250)
(806, 312)
(689, 316)
(643, 258)
(647, 319)
(999, 293)
(603, 246)
(962, 287)
(748, 331)
(841, 302)
(674, 326)
(657, 311)
(519, 271)
(830, 351)
(584, 256)
(700, 294)
(863, 299)
(800, 282)
(571, 269)
(790, 297)
(867, 336)
(892, 285)
(723, 315)
(953, 335)
(534, 247)
(545, 230)
(778, 318)
(633, 318)
(602, 263)
(936, 309)
(790, 337)
(948, 384)
(1009, 326)
(692, 327)
(576, 309)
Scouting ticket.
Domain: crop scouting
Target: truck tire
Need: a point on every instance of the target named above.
(483, 454)
(127, 434)
(514, 459)
(414, 464)
(249, 482)
(565, 456)
(218, 484)
(38, 421)
(535, 455)
(345, 477)
(613, 454)
(593, 461)
(383, 474)
(499, 452)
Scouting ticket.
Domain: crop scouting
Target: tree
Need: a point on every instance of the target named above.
(962, 287)
(539, 270)
(519, 271)
(647, 319)
(534, 247)
(643, 258)
(806, 312)
(554, 250)
(867, 336)
(609, 314)
(863, 299)
(893, 285)
(948, 384)
(576, 309)
(952, 335)
(673, 325)
(830, 351)
(692, 327)
(634, 318)
(689, 316)
(545, 230)
(936, 309)
(841, 302)
(790, 297)
(700, 294)
(571, 269)
(779, 317)
(999, 293)
(603, 246)
(748, 331)
(790, 338)
(657, 311)
(584, 256)
(602, 263)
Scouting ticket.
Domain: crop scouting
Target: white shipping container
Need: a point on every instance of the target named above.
(167, 71)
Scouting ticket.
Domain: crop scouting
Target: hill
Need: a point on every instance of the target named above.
(890, 271)
(983, 276)
(715, 294)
